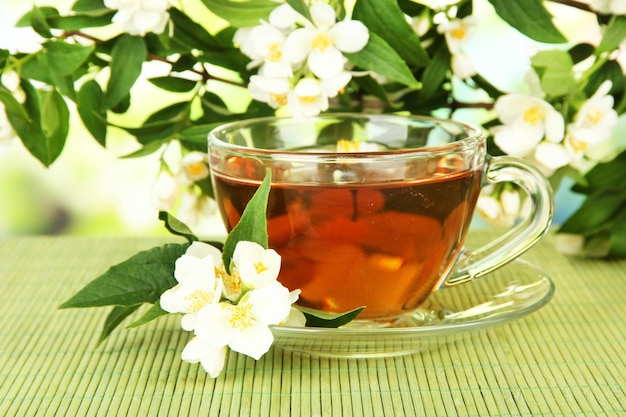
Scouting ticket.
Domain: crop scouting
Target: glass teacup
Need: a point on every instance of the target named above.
(372, 210)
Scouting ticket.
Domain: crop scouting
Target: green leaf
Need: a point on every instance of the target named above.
(435, 74)
(196, 136)
(127, 58)
(555, 71)
(65, 58)
(317, 318)
(140, 279)
(530, 17)
(386, 19)
(189, 33)
(64, 84)
(115, 317)
(81, 21)
(597, 212)
(607, 175)
(92, 110)
(88, 6)
(252, 226)
(161, 124)
(241, 13)
(613, 36)
(39, 23)
(43, 12)
(11, 105)
(152, 313)
(55, 122)
(379, 57)
(28, 127)
(44, 129)
(617, 248)
(174, 84)
(177, 227)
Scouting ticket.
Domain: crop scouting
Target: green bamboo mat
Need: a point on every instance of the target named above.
(566, 359)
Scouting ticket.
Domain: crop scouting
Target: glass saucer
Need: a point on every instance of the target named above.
(511, 292)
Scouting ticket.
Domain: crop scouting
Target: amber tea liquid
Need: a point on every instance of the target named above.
(380, 246)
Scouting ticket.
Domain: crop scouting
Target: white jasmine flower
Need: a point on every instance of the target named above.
(570, 244)
(457, 32)
(273, 91)
(322, 43)
(284, 17)
(244, 327)
(527, 121)
(462, 65)
(203, 350)
(138, 17)
(194, 167)
(256, 266)
(551, 156)
(593, 123)
(296, 318)
(308, 98)
(7, 134)
(489, 207)
(194, 206)
(264, 44)
(198, 273)
(11, 81)
(510, 201)
(165, 191)
(503, 207)
(616, 7)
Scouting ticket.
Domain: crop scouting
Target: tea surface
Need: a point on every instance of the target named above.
(380, 246)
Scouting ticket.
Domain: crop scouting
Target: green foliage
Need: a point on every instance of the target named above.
(387, 20)
(530, 17)
(317, 318)
(601, 219)
(555, 71)
(253, 223)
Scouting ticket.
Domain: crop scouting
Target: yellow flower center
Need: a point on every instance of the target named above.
(458, 33)
(242, 317)
(578, 145)
(533, 115)
(274, 52)
(594, 116)
(232, 282)
(198, 299)
(345, 145)
(259, 267)
(196, 169)
(307, 99)
(321, 42)
(280, 99)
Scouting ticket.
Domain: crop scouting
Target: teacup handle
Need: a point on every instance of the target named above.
(476, 263)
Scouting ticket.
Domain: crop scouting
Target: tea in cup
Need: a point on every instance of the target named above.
(372, 210)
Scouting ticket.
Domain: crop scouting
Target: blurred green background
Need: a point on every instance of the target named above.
(89, 190)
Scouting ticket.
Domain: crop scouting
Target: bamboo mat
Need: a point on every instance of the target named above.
(566, 359)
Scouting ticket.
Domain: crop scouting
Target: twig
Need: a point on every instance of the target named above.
(574, 3)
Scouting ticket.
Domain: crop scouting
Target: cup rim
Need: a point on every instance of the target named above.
(474, 134)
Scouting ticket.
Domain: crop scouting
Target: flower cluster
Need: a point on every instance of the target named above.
(533, 129)
(139, 17)
(301, 62)
(229, 310)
